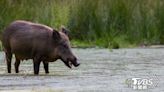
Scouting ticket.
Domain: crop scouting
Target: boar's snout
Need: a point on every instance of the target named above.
(75, 62)
(71, 61)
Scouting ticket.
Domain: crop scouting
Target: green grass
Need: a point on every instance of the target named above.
(103, 23)
(81, 44)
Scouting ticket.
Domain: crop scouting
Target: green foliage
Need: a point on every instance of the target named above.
(105, 23)
(49, 12)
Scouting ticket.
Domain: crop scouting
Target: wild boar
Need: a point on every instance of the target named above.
(27, 40)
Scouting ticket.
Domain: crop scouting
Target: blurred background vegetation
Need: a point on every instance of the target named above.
(102, 23)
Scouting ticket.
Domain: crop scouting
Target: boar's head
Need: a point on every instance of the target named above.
(63, 48)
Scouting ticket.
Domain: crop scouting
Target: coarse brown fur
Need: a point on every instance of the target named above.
(39, 42)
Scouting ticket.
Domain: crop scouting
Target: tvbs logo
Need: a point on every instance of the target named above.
(139, 83)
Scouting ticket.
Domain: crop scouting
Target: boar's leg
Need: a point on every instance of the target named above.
(36, 62)
(45, 66)
(8, 58)
(17, 63)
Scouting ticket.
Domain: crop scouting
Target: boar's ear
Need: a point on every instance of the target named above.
(56, 35)
(64, 30)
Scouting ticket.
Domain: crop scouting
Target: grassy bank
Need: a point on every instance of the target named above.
(103, 23)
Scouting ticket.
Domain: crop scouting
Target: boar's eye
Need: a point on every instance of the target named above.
(65, 45)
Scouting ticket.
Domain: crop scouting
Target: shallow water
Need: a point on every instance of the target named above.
(101, 70)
